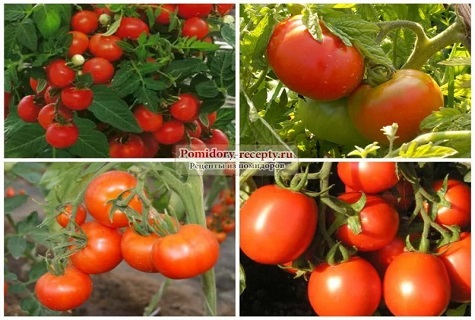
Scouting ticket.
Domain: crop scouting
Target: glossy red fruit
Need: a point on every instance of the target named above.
(187, 11)
(28, 109)
(195, 27)
(368, 177)
(50, 114)
(170, 132)
(126, 146)
(77, 98)
(105, 47)
(218, 140)
(164, 16)
(79, 44)
(137, 250)
(148, 120)
(131, 28)
(101, 70)
(58, 74)
(460, 206)
(85, 21)
(62, 136)
(186, 109)
(151, 145)
(51, 95)
(66, 212)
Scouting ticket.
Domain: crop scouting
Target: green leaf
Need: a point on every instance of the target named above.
(148, 97)
(125, 82)
(228, 33)
(91, 142)
(31, 306)
(311, 21)
(412, 150)
(212, 104)
(254, 42)
(26, 35)
(181, 69)
(16, 245)
(47, 21)
(457, 312)
(242, 279)
(37, 270)
(15, 12)
(30, 224)
(12, 203)
(29, 171)
(207, 89)
(25, 141)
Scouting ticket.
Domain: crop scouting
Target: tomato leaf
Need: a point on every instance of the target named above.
(16, 11)
(311, 21)
(254, 41)
(457, 312)
(413, 150)
(91, 142)
(26, 35)
(47, 19)
(16, 245)
(181, 69)
(12, 203)
(31, 172)
(228, 33)
(24, 140)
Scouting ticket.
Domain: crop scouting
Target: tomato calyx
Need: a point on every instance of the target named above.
(344, 253)
(379, 74)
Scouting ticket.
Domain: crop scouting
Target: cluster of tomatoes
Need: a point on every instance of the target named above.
(221, 217)
(165, 246)
(10, 192)
(383, 268)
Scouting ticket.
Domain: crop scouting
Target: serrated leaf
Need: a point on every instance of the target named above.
(16, 245)
(184, 68)
(207, 89)
(25, 141)
(30, 305)
(311, 21)
(15, 12)
(25, 33)
(148, 97)
(156, 85)
(254, 42)
(91, 142)
(412, 150)
(212, 104)
(228, 33)
(29, 171)
(37, 270)
(47, 20)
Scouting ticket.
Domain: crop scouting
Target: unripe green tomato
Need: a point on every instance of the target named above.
(78, 60)
(176, 207)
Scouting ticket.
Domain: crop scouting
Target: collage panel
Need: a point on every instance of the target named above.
(119, 239)
(356, 80)
(356, 239)
(118, 80)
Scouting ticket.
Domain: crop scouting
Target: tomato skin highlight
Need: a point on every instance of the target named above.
(58, 74)
(65, 214)
(76, 98)
(105, 47)
(126, 146)
(137, 250)
(187, 11)
(79, 44)
(48, 115)
(28, 109)
(170, 132)
(186, 109)
(148, 120)
(101, 70)
(62, 136)
(268, 234)
(65, 292)
(368, 177)
(85, 21)
(131, 28)
(195, 27)
(458, 195)
(218, 140)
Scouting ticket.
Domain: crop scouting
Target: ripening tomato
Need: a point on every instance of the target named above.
(186, 109)
(79, 44)
(77, 98)
(137, 250)
(458, 197)
(350, 288)
(85, 21)
(150, 143)
(197, 144)
(148, 120)
(223, 9)
(326, 70)
(380, 259)
(131, 28)
(164, 16)
(102, 10)
(66, 212)
(62, 136)
(170, 132)
(52, 113)
(191, 251)
(368, 177)
(105, 47)
(195, 27)
(187, 11)
(59, 75)
(101, 70)
(268, 233)
(28, 109)
(226, 196)
(218, 140)
(63, 292)
(106, 187)
(102, 251)
(126, 146)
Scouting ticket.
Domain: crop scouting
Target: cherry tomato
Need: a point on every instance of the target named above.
(197, 144)
(62, 136)
(126, 146)
(195, 27)
(59, 75)
(296, 58)
(268, 233)
(137, 250)
(10, 192)
(76, 98)
(51, 95)
(151, 145)
(85, 21)
(102, 10)
(79, 44)
(191, 251)
(223, 9)
(220, 236)
(105, 47)
(187, 11)
(458, 196)
(28, 109)
(194, 130)
(350, 288)
(106, 187)
(101, 70)
(148, 120)
(218, 140)
(228, 225)
(65, 214)
(380, 259)
(368, 177)
(102, 251)
(226, 196)
(131, 28)
(186, 109)
(170, 132)
(64, 292)
(49, 114)
(164, 16)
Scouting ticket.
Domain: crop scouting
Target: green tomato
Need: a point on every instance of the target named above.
(176, 207)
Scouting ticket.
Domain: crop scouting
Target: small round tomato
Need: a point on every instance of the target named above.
(368, 177)
(101, 70)
(226, 196)
(456, 257)
(126, 146)
(85, 21)
(379, 223)
(102, 251)
(268, 234)
(164, 16)
(62, 136)
(52, 113)
(223, 8)
(220, 236)
(170, 132)
(187, 11)
(380, 259)
(191, 251)
(416, 284)
(64, 292)
(350, 288)
(228, 225)
(458, 196)
(131, 28)
(148, 120)
(79, 44)
(197, 144)
(195, 27)
(106, 187)
(102, 10)
(218, 140)
(10, 192)
(65, 214)
(194, 130)
(28, 109)
(186, 109)
(105, 47)
(76, 98)
(151, 145)
(51, 95)
(59, 75)
(137, 250)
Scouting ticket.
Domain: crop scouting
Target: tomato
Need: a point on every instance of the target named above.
(197, 144)
(186, 109)
(326, 70)
(211, 120)
(194, 130)
(137, 250)
(126, 146)
(191, 251)
(228, 225)
(51, 95)
(79, 44)
(102, 10)
(10, 192)
(65, 214)
(223, 9)
(148, 120)
(62, 136)
(187, 11)
(76, 98)
(170, 132)
(330, 121)
(195, 27)
(131, 28)
(101, 70)
(368, 177)
(220, 236)
(85, 21)
(106, 187)
(151, 145)
(102, 251)
(64, 292)
(218, 140)
(59, 75)
(218, 209)
(28, 109)
(49, 114)
(380, 259)
(458, 197)
(164, 16)
(277, 225)
(373, 108)
(457, 260)
(350, 288)
(379, 223)
(226, 196)
(416, 284)
(105, 47)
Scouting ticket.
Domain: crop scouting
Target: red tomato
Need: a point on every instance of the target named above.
(220, 236)
(457, 260)
(131, 28)
(164, 16)
(106, 187)
(187, 11)
(368, 177)
(380, 259)
(194, 130)
(197, 144)
(65, 214)
(137, 250)
(195, 27)
(50, 113)
(266, 232)
(105, 47)
(228, 225)
(151, 145)
(102, 10)
(28, 109)
(148, 120)
(126, 146)
(51, 95)
(64, 292)
(101, 70)
(102, 251)
(218, 140)
(416, 284)
(350, 288)
(62, 136)
(186, 109)
(296, 58)
(76, 98)
(226, 196)
(85, 21)
(79, 44)
(458, 196)
(10, 192)
(191, 251)
(170, 132)
(379, 223)
(59, 75)
(223, 9)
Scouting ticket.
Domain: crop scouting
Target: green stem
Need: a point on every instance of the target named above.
(259, 81)
(151, 309)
